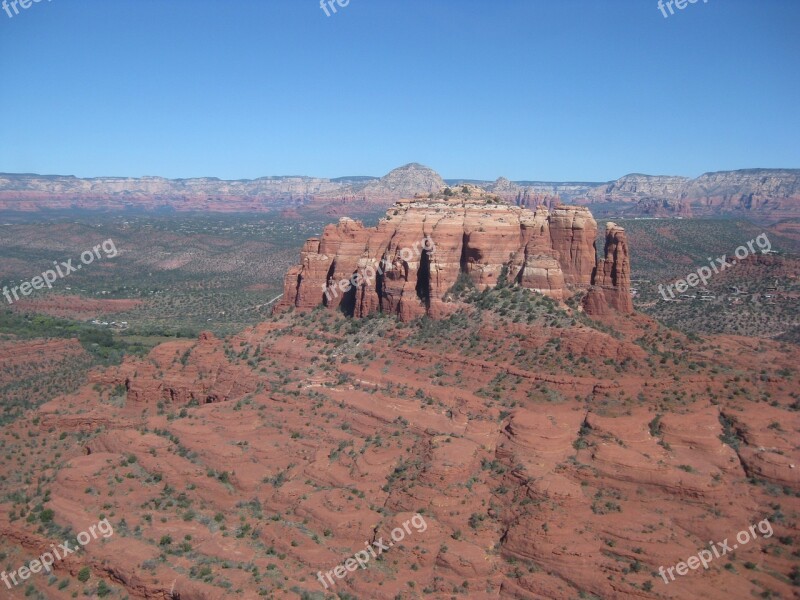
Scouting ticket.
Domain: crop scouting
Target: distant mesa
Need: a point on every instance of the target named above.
(475, 235)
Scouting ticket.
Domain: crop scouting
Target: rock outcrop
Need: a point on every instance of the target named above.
(611, 279)
(469, 234)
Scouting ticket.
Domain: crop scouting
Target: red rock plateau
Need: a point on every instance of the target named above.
(410, 262)
(552, 457)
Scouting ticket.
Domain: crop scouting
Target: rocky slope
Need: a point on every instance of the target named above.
(549, 458)
(411, 261)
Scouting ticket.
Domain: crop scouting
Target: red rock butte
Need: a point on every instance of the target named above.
(474, 234)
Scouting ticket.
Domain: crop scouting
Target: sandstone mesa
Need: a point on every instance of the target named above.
(476, 235)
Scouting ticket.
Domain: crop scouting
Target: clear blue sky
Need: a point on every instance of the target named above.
(527, 89)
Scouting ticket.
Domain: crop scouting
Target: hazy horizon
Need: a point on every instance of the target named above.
(352, 176)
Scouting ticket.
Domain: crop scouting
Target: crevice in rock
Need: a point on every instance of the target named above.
(518, 277)
(468, 255)
(348, 304)
(733, 435)
(463, 259)
(379, 281)
(328, 276)
(423, 287)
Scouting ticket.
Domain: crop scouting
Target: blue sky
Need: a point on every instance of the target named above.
(582, 90)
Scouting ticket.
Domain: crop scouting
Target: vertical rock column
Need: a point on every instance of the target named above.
(611, 280)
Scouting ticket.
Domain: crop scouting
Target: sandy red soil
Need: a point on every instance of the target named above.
(300, 442)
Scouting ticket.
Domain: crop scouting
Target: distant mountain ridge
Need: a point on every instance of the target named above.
(773, 193)
(768, 193)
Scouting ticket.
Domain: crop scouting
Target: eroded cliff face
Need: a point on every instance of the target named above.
(611, 280)
(773, 193)
(470, 234)
(636, 186)
(653, 195)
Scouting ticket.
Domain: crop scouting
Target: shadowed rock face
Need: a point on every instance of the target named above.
(611, 279)
(473, 234)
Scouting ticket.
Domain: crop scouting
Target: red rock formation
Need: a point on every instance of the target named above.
(471, 233)
(611, 280)
(205, 378)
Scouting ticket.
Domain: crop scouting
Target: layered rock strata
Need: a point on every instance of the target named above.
(472, 235)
